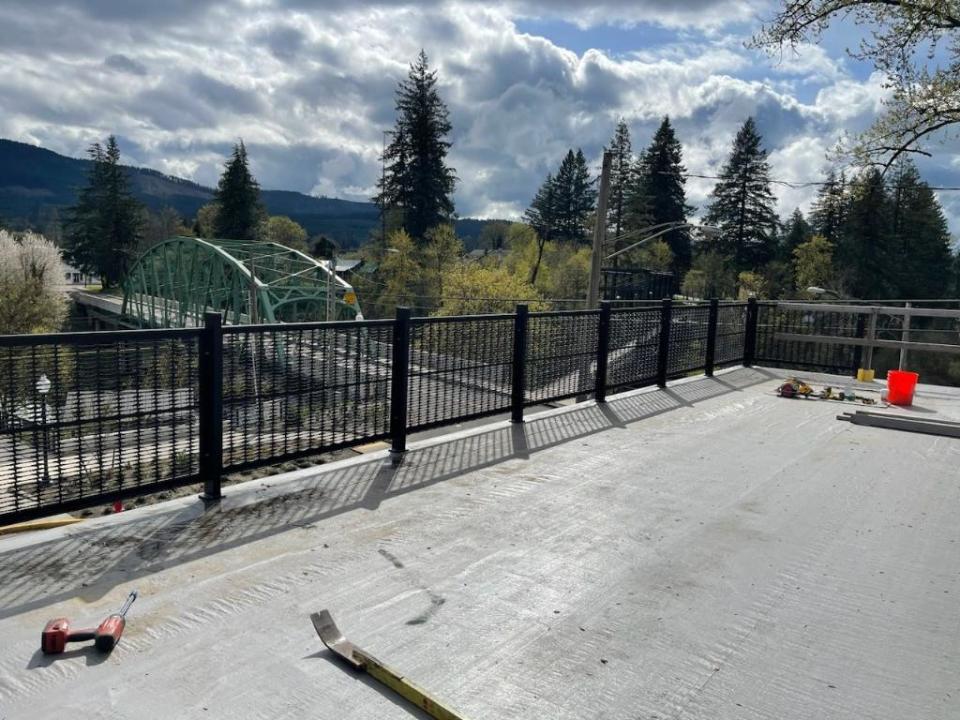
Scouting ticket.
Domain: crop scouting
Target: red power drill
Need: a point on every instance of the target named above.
(105, 636)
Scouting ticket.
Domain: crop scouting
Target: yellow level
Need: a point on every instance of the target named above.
(334, 639)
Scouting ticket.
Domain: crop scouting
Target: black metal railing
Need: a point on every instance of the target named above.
(134, 412)
(633, 346)
(460, 369)
(293, 390)
(86, 417)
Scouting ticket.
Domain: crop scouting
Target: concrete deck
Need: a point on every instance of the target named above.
(705, 551)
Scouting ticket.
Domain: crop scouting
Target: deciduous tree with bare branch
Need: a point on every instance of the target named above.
(915, 43)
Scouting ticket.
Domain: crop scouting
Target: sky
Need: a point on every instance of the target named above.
(309, 86)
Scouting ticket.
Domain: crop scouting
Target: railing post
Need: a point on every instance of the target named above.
(519, 365)
(871, 336)
(750, 333)
(399, 383)
(663, 351)
(210, 375)
(603, 351)
(711, 337)
(905, 336)
(861, 329)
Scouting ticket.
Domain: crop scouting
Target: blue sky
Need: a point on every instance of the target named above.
(308, 85)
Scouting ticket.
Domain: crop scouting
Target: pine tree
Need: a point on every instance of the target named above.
(239, 211)
(620, 171)
(920, 238)
(827, 212)
(418, 181)
(542, 217)
(639, 206)
(863, 254)
(661, 182)
(562, 206)
(396, 189)
(583, 196)
(796, 232)
(743, 204)
(105, 227)
(574, 198)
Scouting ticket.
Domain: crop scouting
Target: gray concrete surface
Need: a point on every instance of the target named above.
(707, 551)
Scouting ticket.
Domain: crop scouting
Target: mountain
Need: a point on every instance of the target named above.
(36, 184)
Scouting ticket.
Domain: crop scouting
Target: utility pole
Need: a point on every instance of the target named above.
(599, 232)
(253, 319)
(331, 278)
(383, 190)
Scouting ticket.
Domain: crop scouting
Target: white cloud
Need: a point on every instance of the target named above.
(309, 87)
(802, 159)
(704, 14)
(848, 99)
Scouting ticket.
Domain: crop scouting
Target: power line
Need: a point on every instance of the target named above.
(801, 184)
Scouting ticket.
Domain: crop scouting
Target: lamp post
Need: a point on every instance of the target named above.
(43, 387)
(660, 229)
(818, 291)
(331, 282)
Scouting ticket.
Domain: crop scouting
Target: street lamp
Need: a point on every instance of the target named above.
(706, 230)
(331, 280)
(818, 291)
(657, 231)
(43, 387)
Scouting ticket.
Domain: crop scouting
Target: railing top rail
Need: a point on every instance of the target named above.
(867, 342)
(460, 318)
(286, 327)
(563, 313)
(870, 309)
(98, 338)
(647, 309)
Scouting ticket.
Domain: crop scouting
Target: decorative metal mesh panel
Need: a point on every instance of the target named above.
(634, 341)
(460, 368)
(95, 416)
(731, 331)
(688, 339)
(561, 355)
(773, 319)
(309, 388)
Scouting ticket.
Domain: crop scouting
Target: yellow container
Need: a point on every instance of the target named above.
(865, 375)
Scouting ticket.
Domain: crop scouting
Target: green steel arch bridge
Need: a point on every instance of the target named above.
(176, 281)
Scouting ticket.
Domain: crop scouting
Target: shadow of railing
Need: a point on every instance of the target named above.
(90, 562)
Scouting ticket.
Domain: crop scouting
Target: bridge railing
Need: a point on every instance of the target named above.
(93, 417)
(134, 412)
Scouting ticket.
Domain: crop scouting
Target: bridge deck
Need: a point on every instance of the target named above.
(707, 551)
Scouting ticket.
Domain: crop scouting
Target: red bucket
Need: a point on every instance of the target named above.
(900, 387)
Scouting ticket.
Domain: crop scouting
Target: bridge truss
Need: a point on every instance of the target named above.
(176, 281)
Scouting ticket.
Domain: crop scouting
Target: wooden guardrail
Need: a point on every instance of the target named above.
(870, 341)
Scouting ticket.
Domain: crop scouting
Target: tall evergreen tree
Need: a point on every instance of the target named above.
(574, 198)
(920, 238)
(743, 204)
(639, 205)
(418, 181)
(583, 196)
(620, 171)
(863, 255)
(396, 187)
(239, 210)
(661, 181)
(104, 228)
(542, 217)
(561, 208)
(796, 232)
(827, 213)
